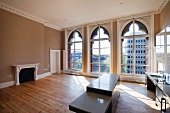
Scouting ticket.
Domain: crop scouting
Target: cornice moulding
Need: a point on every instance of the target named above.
(137, 15)
(161, 5)
(27, 15)
(52, 26)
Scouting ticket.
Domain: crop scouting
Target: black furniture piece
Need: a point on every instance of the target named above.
(90, 102)
(104, 84)
(161, 87)
(101, 96)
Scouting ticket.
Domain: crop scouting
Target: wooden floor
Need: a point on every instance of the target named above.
(135, 98)
(54, 93)
(51, 94)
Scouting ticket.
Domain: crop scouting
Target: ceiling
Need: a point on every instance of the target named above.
(68, 13)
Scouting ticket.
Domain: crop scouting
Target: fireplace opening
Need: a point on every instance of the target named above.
(26, 75)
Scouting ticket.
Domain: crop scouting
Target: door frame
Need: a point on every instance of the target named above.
(55, 51)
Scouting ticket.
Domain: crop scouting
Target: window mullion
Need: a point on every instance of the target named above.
(134, 57)
(134, 49)
(99, 50)
(165, 48)
(74, 54)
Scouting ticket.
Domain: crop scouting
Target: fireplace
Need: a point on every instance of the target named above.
(25, 73)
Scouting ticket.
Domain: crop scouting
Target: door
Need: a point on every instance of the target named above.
(55, 61)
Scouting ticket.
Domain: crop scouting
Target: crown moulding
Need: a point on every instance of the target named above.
(161, 6)
(28, 16)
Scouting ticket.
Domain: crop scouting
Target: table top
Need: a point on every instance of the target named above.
(90, 102)
(105, 82)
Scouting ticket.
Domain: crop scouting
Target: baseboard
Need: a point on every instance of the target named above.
(7, 84)
(40, 76)
(47, 74)
(43, 75)
(11, 83)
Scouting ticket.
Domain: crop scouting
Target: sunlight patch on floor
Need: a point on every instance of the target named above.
(80, 80)
(135, 95)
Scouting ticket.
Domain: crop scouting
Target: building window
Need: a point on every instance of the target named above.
(75, 51)
(135, 32)
(100, 51)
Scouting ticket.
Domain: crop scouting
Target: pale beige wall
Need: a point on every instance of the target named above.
(62, 47)
(115, 52)
(161, 20)
(165, 16)
(24, 41)
(52, 40)
(85, 51)
(156, 26)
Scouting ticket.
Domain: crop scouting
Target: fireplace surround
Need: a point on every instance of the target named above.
(23, 66)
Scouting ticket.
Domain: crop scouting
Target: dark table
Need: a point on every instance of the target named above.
(100, 96)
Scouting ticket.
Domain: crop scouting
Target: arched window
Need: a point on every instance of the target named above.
(75, 51)
(100, 51)
(134, 28)
(135, 49)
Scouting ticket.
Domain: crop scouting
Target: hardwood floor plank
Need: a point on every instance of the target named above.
(31, 101)
(21, 102)
(19, 109)
(40, 96)
(7, 108)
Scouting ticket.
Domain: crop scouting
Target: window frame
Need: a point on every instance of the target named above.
(134, 64)
(100, 39)
(67, 45)
(165, 34)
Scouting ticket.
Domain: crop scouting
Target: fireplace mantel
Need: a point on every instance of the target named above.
(18, 68)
